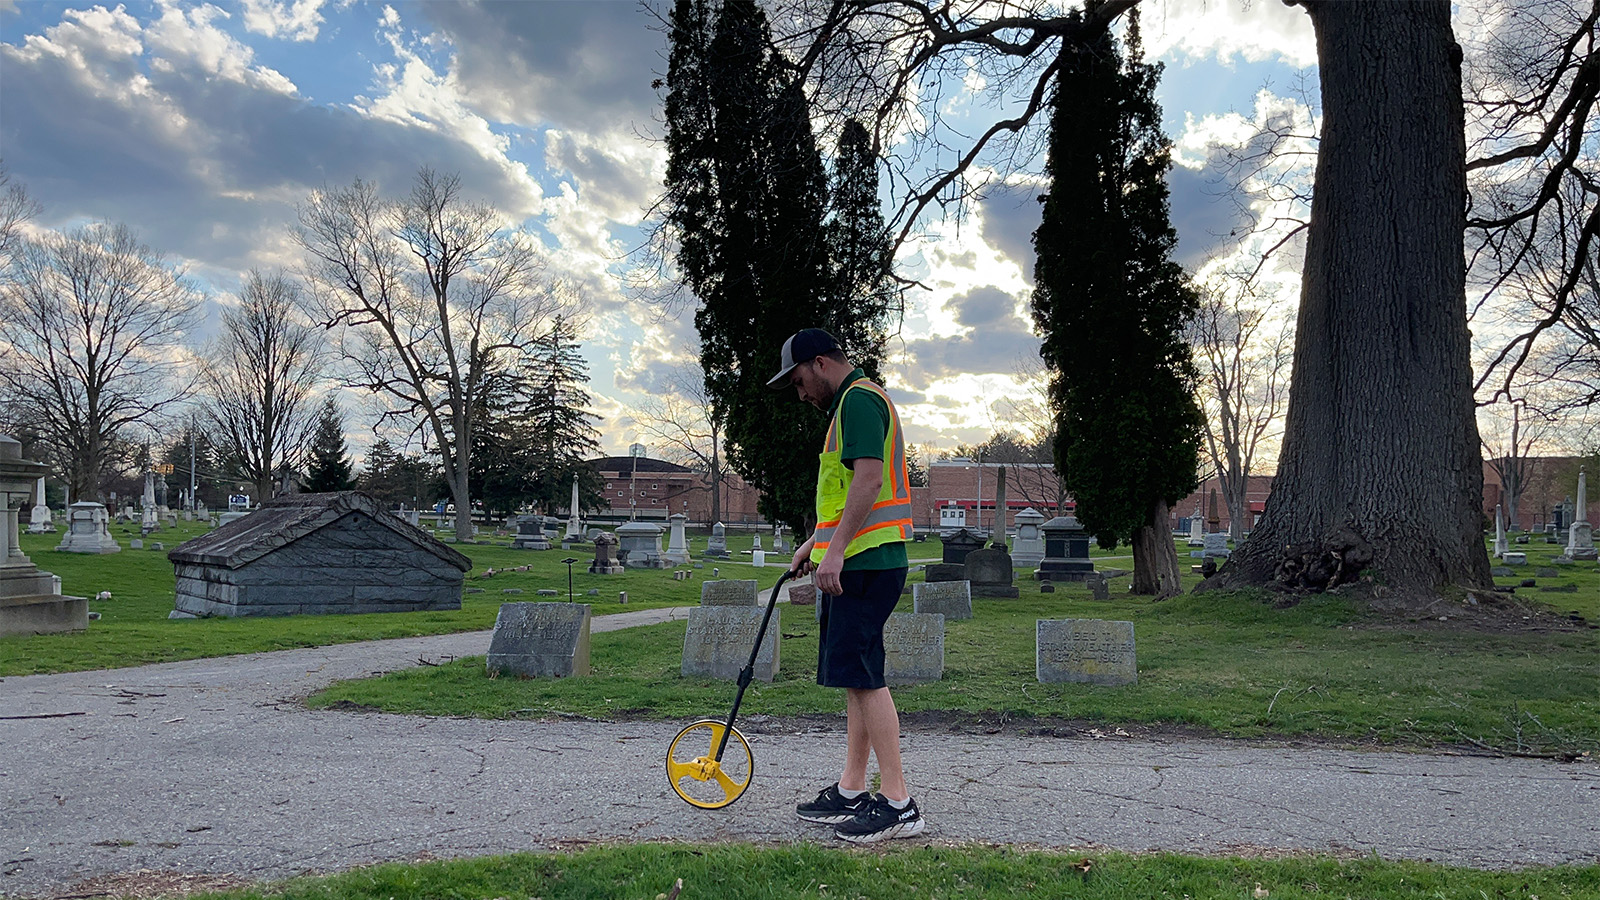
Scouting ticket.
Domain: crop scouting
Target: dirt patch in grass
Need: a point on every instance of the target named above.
(1483, 612)
(146, 884)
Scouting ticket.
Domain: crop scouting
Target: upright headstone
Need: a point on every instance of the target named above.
(718, 547)
(88, 530)
(952, 599)
(1086, 651)
(1099, 586)
(1197, 527)
(755, 542)
(990, 574)
(605, 555)
(1214, 517)
(530, 534)
(913, 648)
(39, 521)
(717, 642)
(1580, 534)
(1028, 549)
(730, 593)
(1216, 546)
(540, 640)
(779, 544)
(1500, 546)
(1066, 551)
(677, 543)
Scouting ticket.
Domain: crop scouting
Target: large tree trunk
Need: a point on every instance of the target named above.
(1155, 557)
(1381, 465)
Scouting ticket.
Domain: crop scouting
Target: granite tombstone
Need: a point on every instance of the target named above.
(540, 640)
(1086, 651)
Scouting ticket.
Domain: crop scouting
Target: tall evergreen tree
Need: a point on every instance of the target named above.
(1111, 305)
(378, 473)
(329, 468)
(862, 291)
(746, 199)
(556, 423)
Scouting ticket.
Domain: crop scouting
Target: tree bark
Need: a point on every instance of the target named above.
(1381, 465)
(1155, 557)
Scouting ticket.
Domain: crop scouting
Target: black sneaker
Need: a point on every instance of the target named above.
(832, 807)
(880, 821)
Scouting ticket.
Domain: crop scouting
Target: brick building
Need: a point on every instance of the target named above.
(1546, 482)
(646, 488)
(961, 493)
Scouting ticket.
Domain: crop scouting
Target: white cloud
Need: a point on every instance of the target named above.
(1264, 30)
(296, 20)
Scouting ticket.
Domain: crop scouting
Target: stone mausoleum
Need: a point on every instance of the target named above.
(319, 554)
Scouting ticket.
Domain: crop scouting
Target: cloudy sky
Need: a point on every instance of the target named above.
(203, 124)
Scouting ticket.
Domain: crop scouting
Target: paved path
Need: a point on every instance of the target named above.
(215, 766)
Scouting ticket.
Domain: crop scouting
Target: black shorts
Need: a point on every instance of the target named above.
(850, 634)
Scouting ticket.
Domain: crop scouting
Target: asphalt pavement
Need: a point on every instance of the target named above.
(217, 766)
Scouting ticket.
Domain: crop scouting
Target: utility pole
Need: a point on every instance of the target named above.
(191, 465)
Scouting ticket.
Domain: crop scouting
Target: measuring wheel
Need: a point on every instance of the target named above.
(695, 770)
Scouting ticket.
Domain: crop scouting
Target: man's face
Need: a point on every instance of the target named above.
(810, 385)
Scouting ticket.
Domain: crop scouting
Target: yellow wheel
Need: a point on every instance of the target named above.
(696, 775)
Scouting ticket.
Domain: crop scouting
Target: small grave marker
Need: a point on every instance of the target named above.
(733, 592)
(1087, 651)
(952, 599)
(717, 642)
(541, 640)
(913, 646)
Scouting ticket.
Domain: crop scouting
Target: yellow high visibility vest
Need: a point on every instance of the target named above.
(889, 520)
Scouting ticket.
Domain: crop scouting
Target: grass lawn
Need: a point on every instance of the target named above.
(805, 871)
(1225, 663)
(133, 628)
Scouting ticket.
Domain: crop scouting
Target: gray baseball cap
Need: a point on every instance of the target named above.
(803, 346)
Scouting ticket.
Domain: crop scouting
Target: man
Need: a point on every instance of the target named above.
(858, 555)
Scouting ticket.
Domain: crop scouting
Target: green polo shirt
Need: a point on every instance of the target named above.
(865, 422)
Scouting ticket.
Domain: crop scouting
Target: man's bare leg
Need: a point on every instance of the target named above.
(873, 726)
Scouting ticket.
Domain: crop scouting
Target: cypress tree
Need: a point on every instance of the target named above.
(1111, 305)
(862, 291)
(329, 468)
(746, 199)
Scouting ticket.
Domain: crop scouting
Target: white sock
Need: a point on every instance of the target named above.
(849, 794)
(899, 804)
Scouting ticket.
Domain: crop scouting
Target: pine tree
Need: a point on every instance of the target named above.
(329, 468)
(1111, 306)
(378, 475)
(556, 422)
